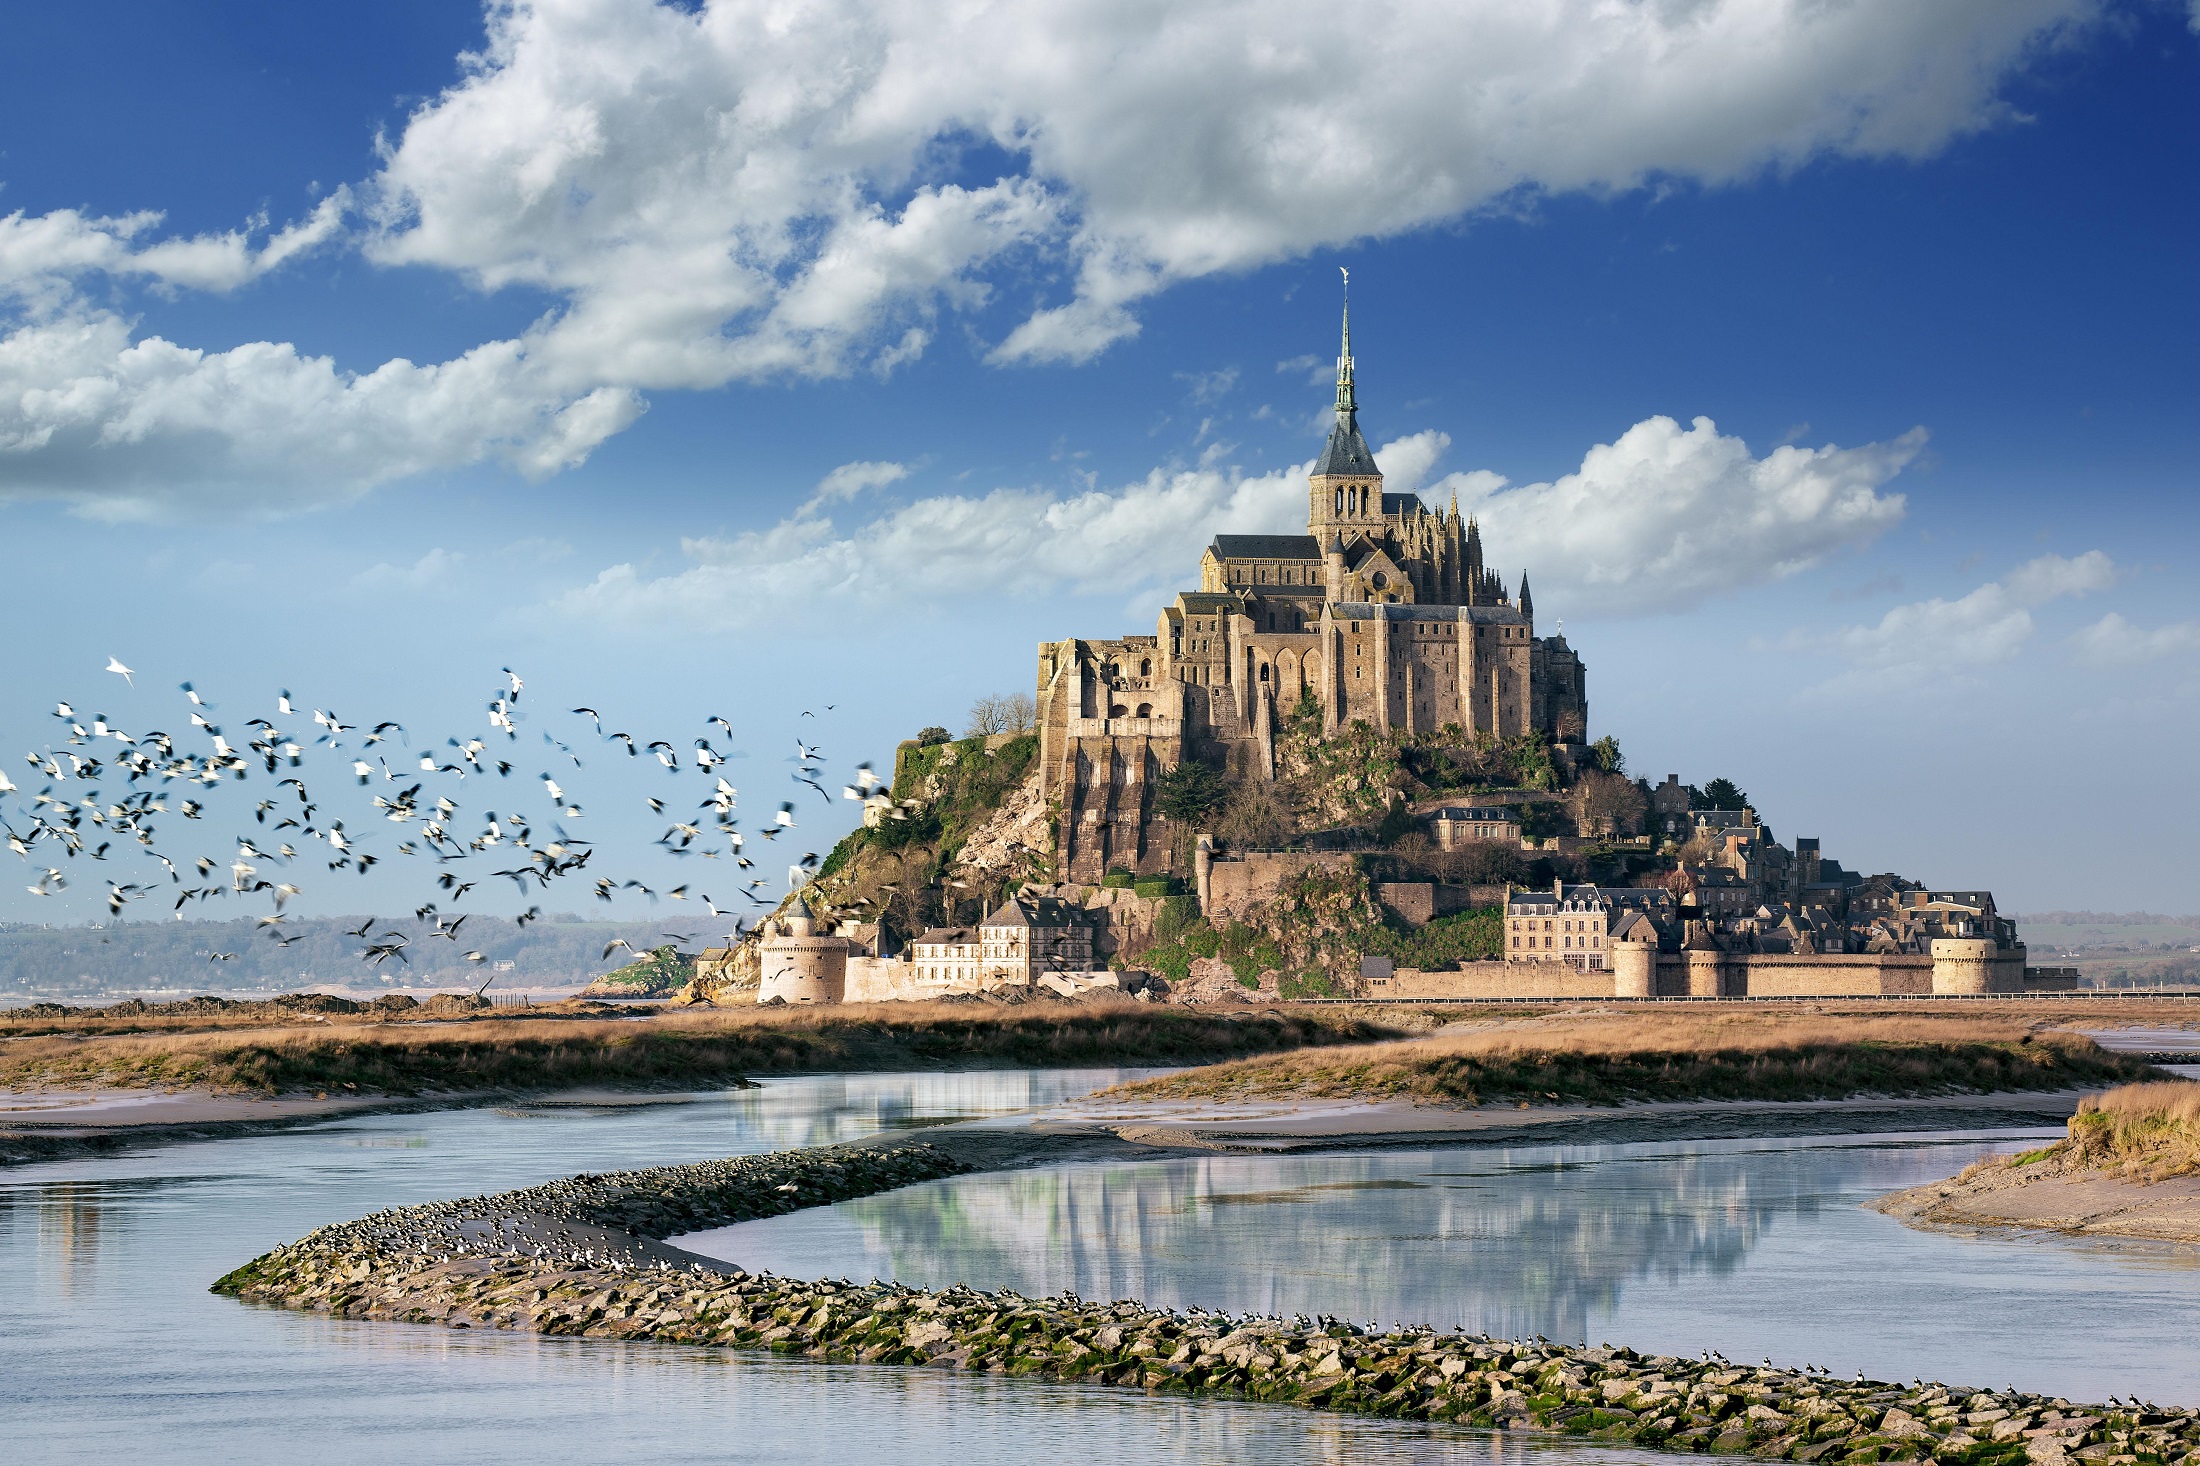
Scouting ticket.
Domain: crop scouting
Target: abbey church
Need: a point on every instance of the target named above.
(1383, 612)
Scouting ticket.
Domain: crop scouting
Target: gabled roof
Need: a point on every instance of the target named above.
(1266, 547)
(1035, 911)
(1402, 503)
(948, 935)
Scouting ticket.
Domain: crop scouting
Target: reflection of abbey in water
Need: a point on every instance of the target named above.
(1459, 1238)
(1383, 612)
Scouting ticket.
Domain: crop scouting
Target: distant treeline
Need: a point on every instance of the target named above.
(126, 957)
(2106, 918)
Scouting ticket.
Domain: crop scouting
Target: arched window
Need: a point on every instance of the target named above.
(1145, 667)
(1264, 671)
(1340, 501)
(1145, 710)
(1378, 580)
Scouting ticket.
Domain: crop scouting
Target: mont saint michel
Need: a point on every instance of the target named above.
(1383, 613)
(740, 731)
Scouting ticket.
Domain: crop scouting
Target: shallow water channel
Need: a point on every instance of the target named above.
(110, 1346)
(1754, 1248)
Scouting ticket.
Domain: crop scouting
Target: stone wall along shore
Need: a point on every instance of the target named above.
(583, 1257)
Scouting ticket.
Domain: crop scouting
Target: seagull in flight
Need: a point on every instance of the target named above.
(114, 665)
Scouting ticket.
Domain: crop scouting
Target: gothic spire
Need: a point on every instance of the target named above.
(1527, 603)
(1346, 455)
(1347, 403)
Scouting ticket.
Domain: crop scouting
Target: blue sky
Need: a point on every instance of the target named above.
(366, 349)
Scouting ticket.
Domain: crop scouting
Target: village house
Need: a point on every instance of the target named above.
(1573, 923)
(1459, 826)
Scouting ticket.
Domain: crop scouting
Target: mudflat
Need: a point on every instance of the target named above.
(2083, 1203)
(2128, 1167)
(1282, 1127)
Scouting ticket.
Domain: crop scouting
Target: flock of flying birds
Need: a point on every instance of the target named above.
(81, 814)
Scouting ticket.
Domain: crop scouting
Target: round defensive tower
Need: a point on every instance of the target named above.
(1634, 969)
(1970, 965)
(800, 966)
(1702, 960)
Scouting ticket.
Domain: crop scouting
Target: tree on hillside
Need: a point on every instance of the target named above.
(926, 737)
(1608, 804)
(1723, 794)
(1251, 819)
(1605, 754)
(1190, 792)
(1000, 712)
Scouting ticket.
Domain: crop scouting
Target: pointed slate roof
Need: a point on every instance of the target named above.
(1346, 453)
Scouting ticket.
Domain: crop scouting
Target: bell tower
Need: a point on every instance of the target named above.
(1345, 491)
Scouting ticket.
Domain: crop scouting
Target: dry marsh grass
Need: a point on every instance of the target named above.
(2142, 1132)
(1610, 1059)
(678, 1049)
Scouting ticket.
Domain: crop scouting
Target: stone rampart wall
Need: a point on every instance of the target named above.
(1494, 980)
(1420, 902)
(1712, 975)
(1239, 886)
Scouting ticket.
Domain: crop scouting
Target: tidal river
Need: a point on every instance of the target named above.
(111, 1348)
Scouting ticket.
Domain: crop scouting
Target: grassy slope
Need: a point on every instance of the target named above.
(672, 1051)
(2141, 1132)
(1611, 1060)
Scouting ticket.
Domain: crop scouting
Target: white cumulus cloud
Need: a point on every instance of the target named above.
(851, 479)
(1667, 516)
(1659, 520)
(1951, 638)
(745, 189)
(2114, 639)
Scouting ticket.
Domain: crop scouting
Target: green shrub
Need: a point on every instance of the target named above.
(1118, 880)
(1312, 983)
(1249, 952)
(921, 828)
(1464, 936)
(1170, 959)
(839, 856)
(1190, 792)
(1176, 913)
(1153, 888)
